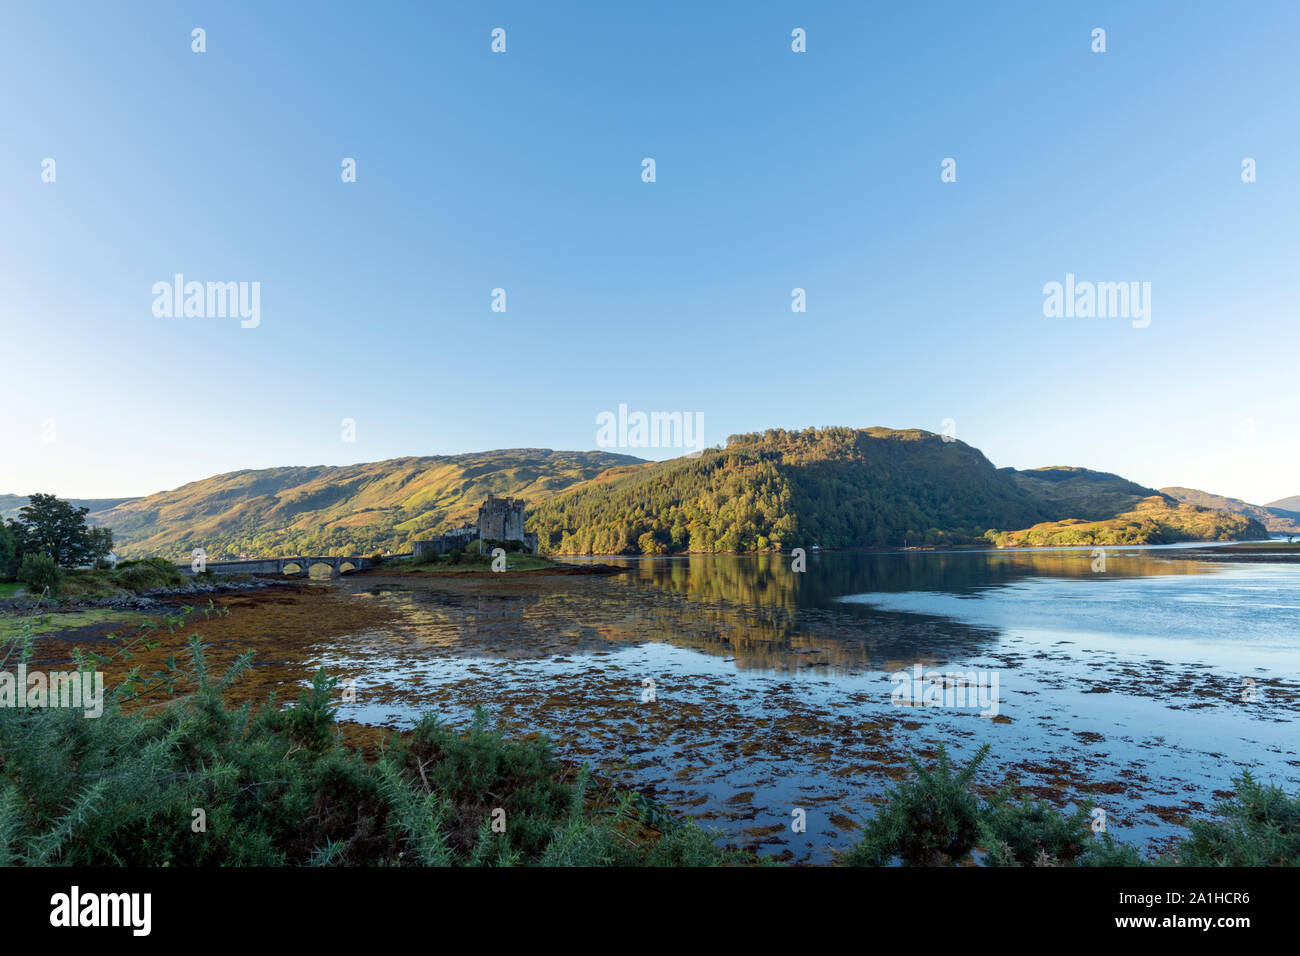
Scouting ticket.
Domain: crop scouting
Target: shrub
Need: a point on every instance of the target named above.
(147, 575)
(936, 819)
(1033, 833)
(39, 571)
(1258, 826)
(930, 821)
(479, 773)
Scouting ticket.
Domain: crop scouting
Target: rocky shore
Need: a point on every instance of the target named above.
(143, 601)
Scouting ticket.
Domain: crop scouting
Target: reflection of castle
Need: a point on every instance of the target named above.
(499, 519)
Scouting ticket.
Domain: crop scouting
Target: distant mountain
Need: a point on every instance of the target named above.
(353, 508)
(1274, 516)
(9, 504)
(1291, 504)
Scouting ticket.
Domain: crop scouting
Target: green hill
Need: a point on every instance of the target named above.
(341, 509)
(842, 488)
(1155, 520)
(1079, 492)
(835, 487)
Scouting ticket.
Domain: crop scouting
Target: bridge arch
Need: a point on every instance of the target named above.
(292, 566)
(331, 563)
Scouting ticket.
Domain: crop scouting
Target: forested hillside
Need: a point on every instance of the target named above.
(846, 488)
(835, 487)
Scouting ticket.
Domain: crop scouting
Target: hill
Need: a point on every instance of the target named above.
(1080, 492)
(836, 487)
(843, 487)
(1273, 516)
(345, 509)
(1155, 520)
(1291, 504)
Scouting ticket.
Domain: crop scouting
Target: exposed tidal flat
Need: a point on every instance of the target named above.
(772, 689)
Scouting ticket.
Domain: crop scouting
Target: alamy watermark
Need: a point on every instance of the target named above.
(652, 430)
(213, 300)
(78, 690)
(934, 689)
(75, 909)
(1101, 300)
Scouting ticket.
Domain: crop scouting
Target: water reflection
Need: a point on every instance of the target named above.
(753, 609)
(767, 579)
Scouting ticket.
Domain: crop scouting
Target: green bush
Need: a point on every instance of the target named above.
(39, 571)
(147, 575)
(937, 819)
(933, 820)
(1033, 833)
(1258, 826)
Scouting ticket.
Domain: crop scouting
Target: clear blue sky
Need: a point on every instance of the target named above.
(522, 170)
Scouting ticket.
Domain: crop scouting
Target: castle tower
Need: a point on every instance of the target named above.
(501, 519)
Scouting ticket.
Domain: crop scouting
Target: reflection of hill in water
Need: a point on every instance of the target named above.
(752, 608)
(767, 579)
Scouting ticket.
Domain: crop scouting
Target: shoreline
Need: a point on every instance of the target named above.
(1247, 544)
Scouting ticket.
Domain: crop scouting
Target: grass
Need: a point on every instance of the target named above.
(9, 588)
(52, 621)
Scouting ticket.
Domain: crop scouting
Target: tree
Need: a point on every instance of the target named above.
(9, 554)
(54, 527)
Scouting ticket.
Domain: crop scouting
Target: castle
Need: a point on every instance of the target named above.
(499, 519)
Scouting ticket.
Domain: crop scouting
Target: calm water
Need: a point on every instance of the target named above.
(1143, 687)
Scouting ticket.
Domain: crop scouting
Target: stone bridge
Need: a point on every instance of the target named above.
(303, 563)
